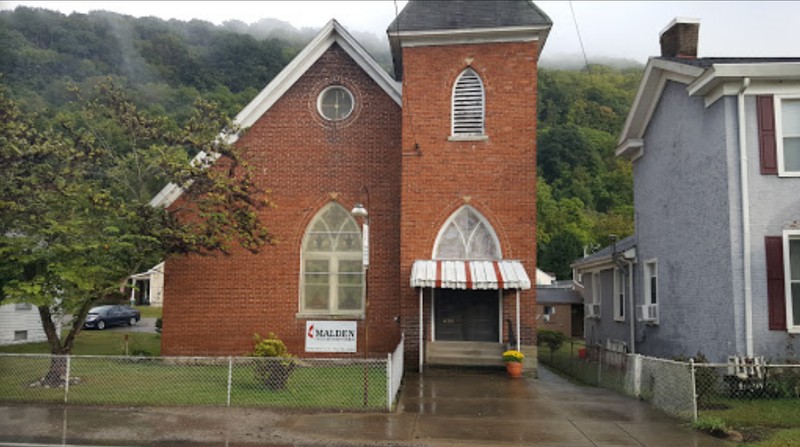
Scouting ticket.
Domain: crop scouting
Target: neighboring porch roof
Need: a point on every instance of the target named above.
(476, 275)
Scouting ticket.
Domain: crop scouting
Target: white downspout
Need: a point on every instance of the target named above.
(748, 287)
(421, 333)
(632, 311)
(519, 347)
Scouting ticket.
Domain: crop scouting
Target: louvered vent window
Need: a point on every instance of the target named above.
(468, 105)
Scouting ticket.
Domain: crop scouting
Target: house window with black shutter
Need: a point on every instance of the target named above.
(779, 134)
(791, 256)
(783, 281)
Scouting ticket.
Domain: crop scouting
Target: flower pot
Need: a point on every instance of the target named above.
(514, 369)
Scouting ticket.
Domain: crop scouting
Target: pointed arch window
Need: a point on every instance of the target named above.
(332, 277)
(468, 105)
(467, 235)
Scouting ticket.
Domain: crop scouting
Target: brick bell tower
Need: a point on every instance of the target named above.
(468, 200)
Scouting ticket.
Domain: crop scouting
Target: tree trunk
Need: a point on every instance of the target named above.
(57, 373)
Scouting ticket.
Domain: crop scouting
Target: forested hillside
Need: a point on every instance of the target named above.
(584, 192)
(165, 64)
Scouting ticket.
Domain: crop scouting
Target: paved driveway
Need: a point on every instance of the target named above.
(443, 408)
(144, 325)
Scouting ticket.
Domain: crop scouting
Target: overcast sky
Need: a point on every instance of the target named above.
(624, 29)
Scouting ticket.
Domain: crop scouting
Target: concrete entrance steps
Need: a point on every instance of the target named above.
(464, 353)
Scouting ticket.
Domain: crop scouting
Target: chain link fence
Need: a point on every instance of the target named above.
(296, 383)
(686, 389)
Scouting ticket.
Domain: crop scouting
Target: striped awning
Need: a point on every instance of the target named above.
(483, 275)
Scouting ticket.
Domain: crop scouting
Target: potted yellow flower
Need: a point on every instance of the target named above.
(513, 359)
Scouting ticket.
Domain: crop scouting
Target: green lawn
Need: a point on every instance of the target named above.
(149, 311)
(98, 343)
(771, 421)
(163, 381)
(174, 381)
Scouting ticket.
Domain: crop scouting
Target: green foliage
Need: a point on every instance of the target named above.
(162, 62)
(75, 218)
(271, 346)
(274, 371)
(552, 339)
(584, 193)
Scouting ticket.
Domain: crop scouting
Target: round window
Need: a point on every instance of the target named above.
(335, 103)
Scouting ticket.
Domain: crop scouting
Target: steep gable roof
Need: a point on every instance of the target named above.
(709, 78)
(331, 33)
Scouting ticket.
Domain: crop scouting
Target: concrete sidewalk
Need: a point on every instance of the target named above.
(441, 408)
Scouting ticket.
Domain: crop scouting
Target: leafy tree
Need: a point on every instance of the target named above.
(75, 220)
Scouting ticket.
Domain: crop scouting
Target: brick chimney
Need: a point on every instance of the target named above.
(679, 38)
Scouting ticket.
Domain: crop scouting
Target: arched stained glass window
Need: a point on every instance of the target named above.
(468, 105)
(467, 235)
(332, 277)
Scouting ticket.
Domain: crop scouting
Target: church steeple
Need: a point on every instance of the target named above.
(465, 21)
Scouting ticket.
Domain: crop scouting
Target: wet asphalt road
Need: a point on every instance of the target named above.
(442, 408)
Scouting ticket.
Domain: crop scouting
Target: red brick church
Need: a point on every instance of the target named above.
(436, 164)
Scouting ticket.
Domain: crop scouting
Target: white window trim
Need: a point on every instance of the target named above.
(778, 113)
(646, 275)
(481, 217)
(619, 311)
(462, 136)
(333, 259)
(20, 307)
(596, 298)
(322, 95)
(792, 326)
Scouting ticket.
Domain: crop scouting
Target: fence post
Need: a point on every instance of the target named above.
(230, 378)
(694, 391)
(389, 382)
(66, 379)
(637, 375)
(599, 364)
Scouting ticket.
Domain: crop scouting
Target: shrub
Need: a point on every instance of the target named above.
(159, 324)
(277, 364)
(552, 339)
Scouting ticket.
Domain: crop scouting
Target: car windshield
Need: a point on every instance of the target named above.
(99, 310)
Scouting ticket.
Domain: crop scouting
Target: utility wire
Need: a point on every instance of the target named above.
(580, 39)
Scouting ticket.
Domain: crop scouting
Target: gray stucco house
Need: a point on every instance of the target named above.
(714, 266)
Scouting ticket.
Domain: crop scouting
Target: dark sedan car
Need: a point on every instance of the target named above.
(101, 317)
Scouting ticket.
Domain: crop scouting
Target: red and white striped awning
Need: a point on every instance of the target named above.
(486, 275)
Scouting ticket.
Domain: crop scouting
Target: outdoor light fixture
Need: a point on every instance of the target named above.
(359, 211)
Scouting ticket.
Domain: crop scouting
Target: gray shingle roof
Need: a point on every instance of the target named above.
(557, 296)
(605, 252)
(423, 15)
(706, 62)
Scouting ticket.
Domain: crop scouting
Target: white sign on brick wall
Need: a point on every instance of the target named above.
(331, 336)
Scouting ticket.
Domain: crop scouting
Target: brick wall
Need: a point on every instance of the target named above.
(561, 321)
(497, 177)
(214, 305)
